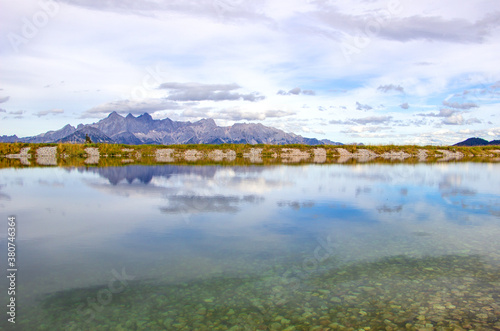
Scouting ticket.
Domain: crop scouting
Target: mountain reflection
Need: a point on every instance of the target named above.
(145, 174)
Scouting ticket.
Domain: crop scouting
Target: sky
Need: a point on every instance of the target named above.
(365, 71)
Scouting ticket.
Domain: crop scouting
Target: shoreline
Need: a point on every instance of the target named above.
(24, 154)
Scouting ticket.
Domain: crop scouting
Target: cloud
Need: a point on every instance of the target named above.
(308, 92)
(391, 87)
(296, 91)
(361, 129)
(456, 119)
(2, 110)
(363, 107)
(440, 29)
(443, 112)
(372, 120)
(309, 130)
(404, 29)
(456, 105)
(363, 120)
(217, 9)
(50, 111)
(451, 117)
(446, 112)
(216, 203)
(404, 105)
(126, 5)
(337, 122)
(235, 114)
(4, 99)
(416, 123)
(201, 92)
(125, 107)
(199, 86)
(278, 113)
(473, 121)
(492, 132)
(18, 113)
(5, 197)
(482, 91)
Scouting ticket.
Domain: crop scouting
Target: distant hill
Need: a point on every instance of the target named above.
(477, 142)
(52, 136)
(145, 130)
(9, 139)
(80, 135)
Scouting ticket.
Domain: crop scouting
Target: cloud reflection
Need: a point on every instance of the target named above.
(202, 204)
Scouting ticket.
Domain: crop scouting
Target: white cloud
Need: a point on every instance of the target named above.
(372, 120)
(50, 111)
(296, 91)
(201, 92)
(234, 114)
(456, 105)
(134, 107)
(455, 119)
(391, 87)
(360, 106)
(362, 129)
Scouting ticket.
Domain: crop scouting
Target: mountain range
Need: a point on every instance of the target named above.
(144, 129)
(477, 142)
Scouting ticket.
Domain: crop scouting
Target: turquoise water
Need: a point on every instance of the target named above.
(373, 247)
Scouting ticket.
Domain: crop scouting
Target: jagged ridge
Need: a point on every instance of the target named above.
(145, 130)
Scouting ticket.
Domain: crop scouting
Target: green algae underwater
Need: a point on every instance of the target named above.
(398, 293)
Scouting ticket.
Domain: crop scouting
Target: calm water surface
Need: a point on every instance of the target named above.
(401, 247)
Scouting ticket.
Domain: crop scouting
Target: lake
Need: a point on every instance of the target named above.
(304, 247)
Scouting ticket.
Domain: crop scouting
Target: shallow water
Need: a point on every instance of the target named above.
(255, 248)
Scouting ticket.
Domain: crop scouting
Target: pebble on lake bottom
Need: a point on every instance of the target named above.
(398, 293)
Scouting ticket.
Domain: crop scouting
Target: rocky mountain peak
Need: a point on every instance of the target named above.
(114, 115)
(206, 121)
(145, 117)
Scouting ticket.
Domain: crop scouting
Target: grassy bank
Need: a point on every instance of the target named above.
(118, 149)
(237, 154)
